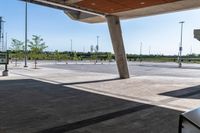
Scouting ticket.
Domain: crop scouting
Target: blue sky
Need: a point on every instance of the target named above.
(160, 33)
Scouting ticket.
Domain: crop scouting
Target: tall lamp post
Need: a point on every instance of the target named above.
(1, 31)
(1, 34)
(141, 52)
(97, 47)
(181, 46)
(71, 45)
(3, 48)
(25, 48)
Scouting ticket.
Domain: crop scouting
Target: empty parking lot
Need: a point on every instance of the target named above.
(88, 98)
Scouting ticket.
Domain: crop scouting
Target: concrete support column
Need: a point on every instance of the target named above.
(118, 45)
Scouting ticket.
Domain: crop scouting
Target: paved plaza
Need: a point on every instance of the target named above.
(89, 98)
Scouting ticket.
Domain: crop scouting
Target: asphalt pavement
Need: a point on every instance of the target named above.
(135, 69)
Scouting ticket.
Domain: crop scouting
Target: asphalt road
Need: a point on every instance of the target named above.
(136, 69)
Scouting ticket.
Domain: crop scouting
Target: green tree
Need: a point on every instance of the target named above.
(75, 57)
(109, 57)
(66, 57)
(37, 45)
(57, 56)
(17, 47)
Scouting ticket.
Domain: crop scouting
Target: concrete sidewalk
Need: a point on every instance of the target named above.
(48, 100)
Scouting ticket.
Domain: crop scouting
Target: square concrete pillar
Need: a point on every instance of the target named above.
(118, 45)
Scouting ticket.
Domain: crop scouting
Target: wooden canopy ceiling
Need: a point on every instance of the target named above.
(93, 10)
(114, 6)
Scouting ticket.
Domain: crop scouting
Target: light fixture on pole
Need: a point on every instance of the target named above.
(181, 46)
(25, 48)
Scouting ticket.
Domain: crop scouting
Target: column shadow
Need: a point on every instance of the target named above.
(190, 93)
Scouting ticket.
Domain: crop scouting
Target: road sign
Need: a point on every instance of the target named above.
(4, 58)
(197, 34)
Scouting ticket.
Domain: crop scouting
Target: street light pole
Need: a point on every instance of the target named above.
(97, 43)
(71, 46)
(141, 52)
(1, 31)
(1, 34)
(6, 42)
(181, 45)
(25, 48)
(149, 50)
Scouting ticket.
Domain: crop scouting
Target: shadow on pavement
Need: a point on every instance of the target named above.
(190, 92)
(31, 106)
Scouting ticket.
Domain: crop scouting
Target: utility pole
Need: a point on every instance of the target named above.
(181, 46)
(25, 48)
